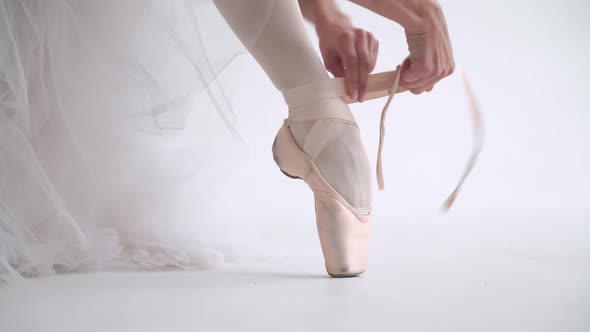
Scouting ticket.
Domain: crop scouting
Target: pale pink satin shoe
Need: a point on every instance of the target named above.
(344, 230)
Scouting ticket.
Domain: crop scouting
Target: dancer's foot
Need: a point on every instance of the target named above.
(320, 143)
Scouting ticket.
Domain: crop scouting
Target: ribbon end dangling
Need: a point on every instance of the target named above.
(380, 181)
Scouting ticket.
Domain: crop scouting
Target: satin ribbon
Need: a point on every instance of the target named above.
(476, 120)
(380, 85)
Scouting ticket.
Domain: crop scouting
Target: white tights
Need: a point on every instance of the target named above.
(274, 33)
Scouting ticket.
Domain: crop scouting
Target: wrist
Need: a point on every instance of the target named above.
(422, 16)
(328, 14)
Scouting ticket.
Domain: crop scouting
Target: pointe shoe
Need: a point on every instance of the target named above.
(345, 231)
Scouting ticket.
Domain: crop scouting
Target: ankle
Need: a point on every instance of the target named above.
(329, 108)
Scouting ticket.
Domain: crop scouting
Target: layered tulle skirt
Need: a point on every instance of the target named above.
(115, 126)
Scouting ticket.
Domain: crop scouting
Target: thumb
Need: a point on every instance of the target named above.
(411, 72)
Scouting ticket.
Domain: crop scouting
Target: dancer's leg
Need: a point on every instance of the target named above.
(274, 33)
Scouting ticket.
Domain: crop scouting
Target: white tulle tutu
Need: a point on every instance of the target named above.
(114, 127)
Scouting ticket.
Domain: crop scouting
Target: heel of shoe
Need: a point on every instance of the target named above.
(287, 155)
(343, 236)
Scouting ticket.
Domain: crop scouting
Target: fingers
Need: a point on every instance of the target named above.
(427, 87)
(374, 53)
(364, 62)
(431, 56)
(358, 55)
(350, 63)
(419, 78)
(367, 47)
(334, 65)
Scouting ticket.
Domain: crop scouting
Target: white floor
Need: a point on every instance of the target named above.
(450, 274)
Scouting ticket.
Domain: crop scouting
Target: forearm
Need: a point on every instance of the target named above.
(308, 9)
(321, 12)
(412, 15)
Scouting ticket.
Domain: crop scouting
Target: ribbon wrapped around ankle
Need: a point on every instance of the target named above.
(379, 85)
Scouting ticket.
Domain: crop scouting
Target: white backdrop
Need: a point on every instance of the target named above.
(512, 256)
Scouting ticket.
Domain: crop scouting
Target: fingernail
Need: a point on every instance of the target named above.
(362, 98)
(354, 95)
